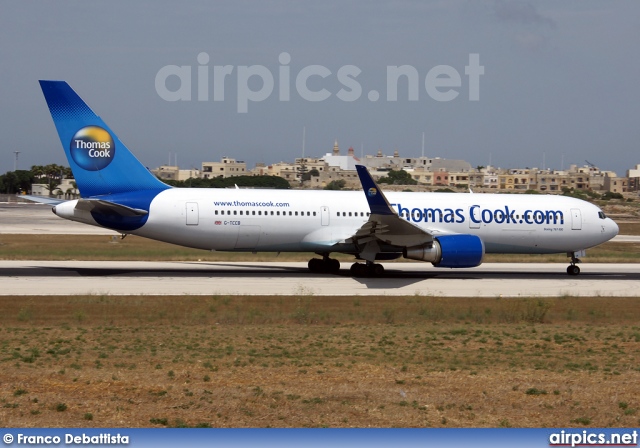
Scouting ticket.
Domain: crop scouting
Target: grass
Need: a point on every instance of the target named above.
(132, 248)
(232, 361)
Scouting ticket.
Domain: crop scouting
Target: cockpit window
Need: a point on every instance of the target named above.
(602, 215)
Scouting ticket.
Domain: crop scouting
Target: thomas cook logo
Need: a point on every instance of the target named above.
(372, 192)
(92, 148)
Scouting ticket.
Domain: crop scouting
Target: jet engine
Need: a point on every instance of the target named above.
(449, 251)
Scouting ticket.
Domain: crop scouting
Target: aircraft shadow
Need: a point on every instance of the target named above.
(391, 279)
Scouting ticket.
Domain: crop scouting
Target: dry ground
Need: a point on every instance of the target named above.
(318, 361)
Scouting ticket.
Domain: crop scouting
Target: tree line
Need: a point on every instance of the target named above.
(20, 181)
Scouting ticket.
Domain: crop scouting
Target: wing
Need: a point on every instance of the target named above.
(384, 224)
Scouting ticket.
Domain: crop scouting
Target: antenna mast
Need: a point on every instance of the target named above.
(304, 135)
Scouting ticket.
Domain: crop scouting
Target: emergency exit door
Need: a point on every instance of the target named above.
(576, 219)
(192, 214)
(324, 215)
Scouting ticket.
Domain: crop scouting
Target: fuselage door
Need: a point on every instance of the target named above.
(192, 214)
(576, 219)
(324, 215)
(474, 214)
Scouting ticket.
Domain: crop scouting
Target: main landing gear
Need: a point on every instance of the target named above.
(328, 265)
(367, 270)
(325, 266)
(572, 269)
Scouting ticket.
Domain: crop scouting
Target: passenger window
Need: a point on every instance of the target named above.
(216, 212)
(278, 213)
(235, 212)
(296, 213)
(240, 212)
(314, 213)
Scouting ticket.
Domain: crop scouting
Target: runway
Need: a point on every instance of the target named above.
(43, 278)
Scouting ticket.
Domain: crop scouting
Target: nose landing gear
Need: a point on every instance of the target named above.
(572, 269)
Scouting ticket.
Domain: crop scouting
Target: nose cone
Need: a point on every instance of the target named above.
(612, 228)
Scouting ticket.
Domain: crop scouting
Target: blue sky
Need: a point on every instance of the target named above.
(559, 83)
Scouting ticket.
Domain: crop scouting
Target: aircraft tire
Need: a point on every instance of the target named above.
(573, 269)
(357, 270)
(316, 265)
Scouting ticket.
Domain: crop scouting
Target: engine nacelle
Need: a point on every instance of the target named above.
(450, 251)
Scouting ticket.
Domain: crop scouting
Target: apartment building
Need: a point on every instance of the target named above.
(227, 167)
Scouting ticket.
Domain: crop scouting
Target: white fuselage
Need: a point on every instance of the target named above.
(321, 221)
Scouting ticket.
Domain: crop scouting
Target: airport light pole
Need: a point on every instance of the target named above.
(15, 162)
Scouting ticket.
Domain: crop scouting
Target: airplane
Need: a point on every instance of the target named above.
(448, 230)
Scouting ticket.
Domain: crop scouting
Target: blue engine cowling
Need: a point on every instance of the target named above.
(450, 251)
(460, 251)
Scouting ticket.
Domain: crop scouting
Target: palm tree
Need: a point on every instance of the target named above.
(74, 185)
(38, 171)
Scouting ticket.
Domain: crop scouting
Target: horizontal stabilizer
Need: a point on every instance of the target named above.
(108, 208)
(41, 199)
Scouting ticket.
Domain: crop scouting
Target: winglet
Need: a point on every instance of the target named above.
(375, 197)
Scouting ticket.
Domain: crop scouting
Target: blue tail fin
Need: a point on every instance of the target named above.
(101, 163)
